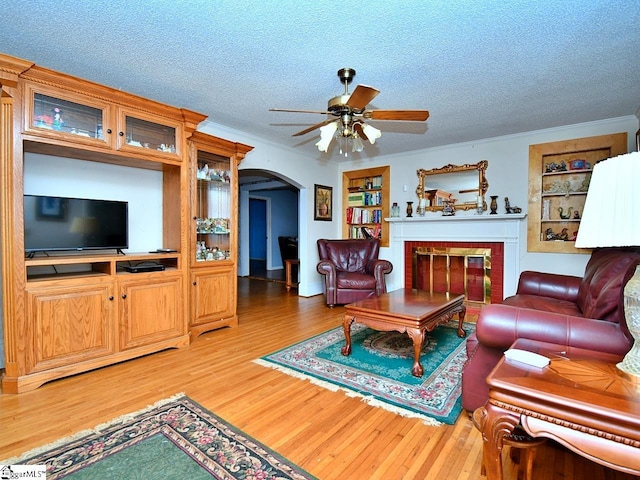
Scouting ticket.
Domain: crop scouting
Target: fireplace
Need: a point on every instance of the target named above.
(473, 269)
(505, 235)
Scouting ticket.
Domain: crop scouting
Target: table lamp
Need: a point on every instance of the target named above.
(611, 218)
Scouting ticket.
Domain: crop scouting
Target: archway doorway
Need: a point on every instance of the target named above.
(269, 208)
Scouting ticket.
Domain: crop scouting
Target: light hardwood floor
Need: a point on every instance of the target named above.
(329, 434)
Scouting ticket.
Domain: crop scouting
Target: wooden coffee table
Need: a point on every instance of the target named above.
(406, 310)
(580, 400)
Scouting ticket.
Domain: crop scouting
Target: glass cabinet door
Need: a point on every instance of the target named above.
(213, 208)
(59, 115)
(143, 133)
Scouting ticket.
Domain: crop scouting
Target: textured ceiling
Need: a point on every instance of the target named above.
(482, 68)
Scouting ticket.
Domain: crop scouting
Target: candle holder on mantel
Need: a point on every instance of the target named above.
(409, 209)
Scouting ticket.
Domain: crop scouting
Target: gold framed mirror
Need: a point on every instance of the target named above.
(465, 185)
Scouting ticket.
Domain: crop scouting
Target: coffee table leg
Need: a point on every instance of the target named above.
(346, 326)
(417, 336)
(461, 313)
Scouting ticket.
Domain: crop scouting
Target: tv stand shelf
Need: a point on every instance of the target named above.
(44, 277)
(60, 267)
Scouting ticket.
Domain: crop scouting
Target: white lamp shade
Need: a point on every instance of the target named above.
(611, 215)
(371, 133)
(326, 134)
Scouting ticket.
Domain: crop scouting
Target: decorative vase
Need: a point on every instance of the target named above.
(494, 204)
(631, 362)
(409, 209)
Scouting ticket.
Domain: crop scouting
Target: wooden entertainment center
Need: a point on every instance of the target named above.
(69, 312)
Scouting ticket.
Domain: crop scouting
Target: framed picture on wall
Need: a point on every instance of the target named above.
(323, 203)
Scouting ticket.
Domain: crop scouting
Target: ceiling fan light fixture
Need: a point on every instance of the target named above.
(350, 110)
(371, 133)
(326, 134)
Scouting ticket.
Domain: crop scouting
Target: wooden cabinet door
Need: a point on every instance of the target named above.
(150, 311)
(69, 325)
(213, 295)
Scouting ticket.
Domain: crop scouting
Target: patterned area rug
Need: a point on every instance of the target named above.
(174, 438)
(379, 369)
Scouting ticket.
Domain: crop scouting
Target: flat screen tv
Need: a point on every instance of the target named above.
(60, 223)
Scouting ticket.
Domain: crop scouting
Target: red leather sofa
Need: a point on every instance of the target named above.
(352, 270)
(585, 312)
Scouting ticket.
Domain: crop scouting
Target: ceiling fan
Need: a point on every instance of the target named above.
(350, 110)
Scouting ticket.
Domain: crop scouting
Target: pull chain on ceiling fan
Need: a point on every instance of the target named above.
(351, 112)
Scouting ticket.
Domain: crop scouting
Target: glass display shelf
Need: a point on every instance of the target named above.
(67, 117)
(213, 222)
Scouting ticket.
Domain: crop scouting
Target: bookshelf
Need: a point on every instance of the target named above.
(365, 200)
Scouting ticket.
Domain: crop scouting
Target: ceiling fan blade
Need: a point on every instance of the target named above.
(358, 128)
(313, 127)
(406, 115)
(362, 96)
(323, 112)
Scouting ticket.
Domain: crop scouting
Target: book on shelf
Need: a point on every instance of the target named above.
(366, 199)
(356, 199)
(367, 232)
(356, 215)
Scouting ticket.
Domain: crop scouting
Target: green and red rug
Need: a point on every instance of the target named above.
(174, 438)
(379, 369)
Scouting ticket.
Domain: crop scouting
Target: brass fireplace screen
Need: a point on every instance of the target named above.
(454, 270)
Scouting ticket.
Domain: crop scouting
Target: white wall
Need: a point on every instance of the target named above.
(303, 172)
(141, 188)
(507, 176)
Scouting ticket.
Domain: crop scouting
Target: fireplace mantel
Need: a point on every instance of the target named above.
(509, 229)
(458, 218)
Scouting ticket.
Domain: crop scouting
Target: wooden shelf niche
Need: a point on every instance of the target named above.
(559, 176)
(365, 203)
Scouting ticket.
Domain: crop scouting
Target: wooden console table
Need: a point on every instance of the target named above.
(580, 400)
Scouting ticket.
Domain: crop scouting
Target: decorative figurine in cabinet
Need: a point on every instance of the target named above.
(213, 208)
(214, 212)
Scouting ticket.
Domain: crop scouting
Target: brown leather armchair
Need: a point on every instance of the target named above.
(352, 270)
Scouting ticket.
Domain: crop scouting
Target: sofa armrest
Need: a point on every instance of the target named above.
(561, 287)
(499, 326)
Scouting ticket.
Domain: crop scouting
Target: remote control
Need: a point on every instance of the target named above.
(526, 357)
